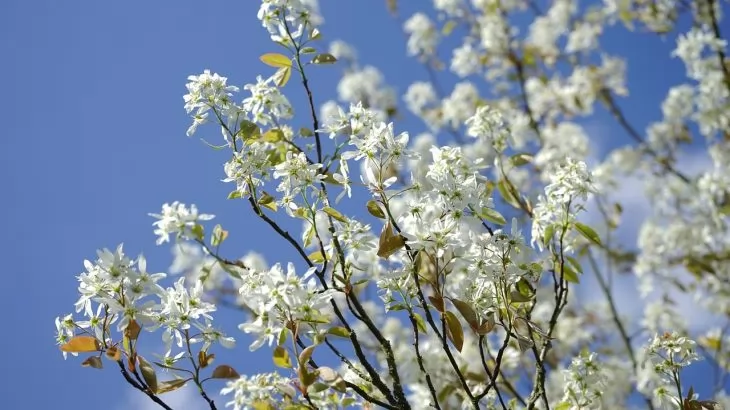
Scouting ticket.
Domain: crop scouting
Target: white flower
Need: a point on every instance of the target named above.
(177, 218)
(423, 36)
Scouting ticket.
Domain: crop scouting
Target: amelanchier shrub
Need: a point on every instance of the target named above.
(444, 276)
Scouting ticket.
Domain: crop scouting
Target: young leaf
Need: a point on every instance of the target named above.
(588, 233)
(507, 191)
(335, 214)
(426, 266)
(268, 201)
(132, 330)
(568, 273)
(170, 385)
(281, 357)
(316, 257)
(390, 242)
(327, 374)
(282, 76)
(80, 344)
(235, 195)
(218, 236)
(456, 333)
(467, 312)
(148, 373)
(276, 60)
(339, 331)
(225, 372)
(420, 323)
(493, 216)
(93, 361)
(437, 302)
(273, 135)
(374, 209)
(113, 353)
(305, 355)
(324, 58)
(519, 160)
(248, 130)
(574, 262)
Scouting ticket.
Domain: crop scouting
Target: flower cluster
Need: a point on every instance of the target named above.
(279, 299)
(555, 211)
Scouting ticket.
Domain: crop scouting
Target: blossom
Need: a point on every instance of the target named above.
(423, 36)
(177, 218)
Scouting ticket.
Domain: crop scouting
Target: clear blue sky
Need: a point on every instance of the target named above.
(93, 138)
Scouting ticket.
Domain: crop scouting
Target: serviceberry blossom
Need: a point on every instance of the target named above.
(567, 192)
(423, 35)
(205, 92)
(288, 20)
(178, 219)
(279, 298)
(296, 174)
(266, 105)
(584, 382)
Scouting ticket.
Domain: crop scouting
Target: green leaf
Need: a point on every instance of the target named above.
(588, 233)
(198, 231)
(569, 274)
(492, 215)
(448, 27)
(563, 405)
(308, 50)
(335, 214)
(420, 323)
(218, 236)
(276, 60)
(548, 235)
(316, 257)
(248, 130)
(215, 147)
(525, 289)
(281, 357)
(519, 160)
(339, 331)
(305, 355)
(374, 209)
(575, 263)
(305, 132)
(397, 307)
(507, 191)
(282, 76)
(235, 195)
(268, 201)
(324, 58)
(283, 336)
(273, 135)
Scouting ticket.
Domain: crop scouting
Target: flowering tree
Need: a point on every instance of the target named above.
(431, 292)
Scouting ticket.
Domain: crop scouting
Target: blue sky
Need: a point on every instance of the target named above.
(94, 139)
